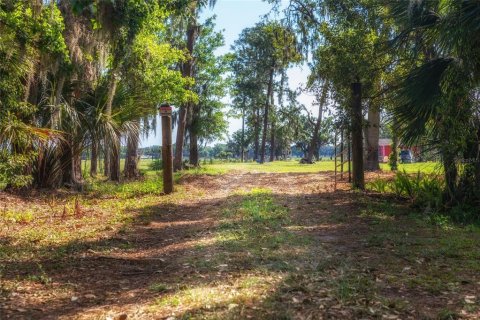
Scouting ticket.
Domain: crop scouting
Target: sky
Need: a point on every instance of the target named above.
(232, 16)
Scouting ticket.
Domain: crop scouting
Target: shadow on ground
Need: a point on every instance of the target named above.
(338, 255)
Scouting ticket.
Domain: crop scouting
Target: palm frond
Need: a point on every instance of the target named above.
(418, 99)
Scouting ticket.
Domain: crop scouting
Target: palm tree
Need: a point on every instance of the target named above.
(436, 99)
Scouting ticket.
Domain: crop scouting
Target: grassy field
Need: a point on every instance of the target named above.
(325, 165)
(272, 241)
(292, 166)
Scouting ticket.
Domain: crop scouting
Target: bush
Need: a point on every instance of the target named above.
(424, 191)
(156, 165)
(13, 171)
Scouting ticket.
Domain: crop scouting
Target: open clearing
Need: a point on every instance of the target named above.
(236, 245)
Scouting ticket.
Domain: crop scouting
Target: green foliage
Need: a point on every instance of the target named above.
(209, 121)
(423, 190)
(258, 207)
(12, 169)
(77, 72)
(156, 165)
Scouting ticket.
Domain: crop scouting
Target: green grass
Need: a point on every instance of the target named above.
(293, 166)
(287, 166)
(257, 259)
(251, 234)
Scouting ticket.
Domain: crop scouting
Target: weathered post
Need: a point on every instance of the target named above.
(167, 154)
(358, 180)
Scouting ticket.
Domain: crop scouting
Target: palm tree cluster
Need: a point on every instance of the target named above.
(87, 76)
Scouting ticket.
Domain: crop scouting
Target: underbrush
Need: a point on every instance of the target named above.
(152, 185)
(425, 192)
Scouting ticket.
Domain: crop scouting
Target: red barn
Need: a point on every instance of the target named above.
(384, 149)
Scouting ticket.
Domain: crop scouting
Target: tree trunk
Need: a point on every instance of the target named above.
(187, 71)
(57, 99)
(357, 137)
(72, 166)
(195, 114)
(451, 174)
(182, 123)
(257, 134)
(272, 141)
(243, 133)
(109, 153)
(314, 141)
(115, 161)
(194, 149)
(373, 136)
(77, 168)
(265, 117)
(94, 158)
(106, 161)
(393, 156)
(131, 159)
(477, 161)
(272, 129)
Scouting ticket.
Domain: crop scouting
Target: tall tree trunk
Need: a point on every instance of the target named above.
(357, 137)
(106, 160)
(272, 129)
(272, 141)
(187, 71)
(109, 152)
(477, 161)
(72, 165)
(195, 114)
(182, 123)
(257, 133)
(77, 168)
(314, 141)
(373, 136)
(451, 174)
(94, 158)
(131, 159)
(243, 133)
(194, 149)
(54, 123)
(265, 117)
(115, 161)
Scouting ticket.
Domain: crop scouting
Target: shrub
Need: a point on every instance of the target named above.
(156, 165)
(378, 185)
(424, 191)
(14, 169)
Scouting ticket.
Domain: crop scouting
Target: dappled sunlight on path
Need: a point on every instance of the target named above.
(254, 245)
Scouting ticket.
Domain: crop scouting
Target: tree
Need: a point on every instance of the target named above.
(77, 77)
(266, 48)
(321, 98)
(435, 100)
(189, 14)
(206, 121)
(347, 40)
